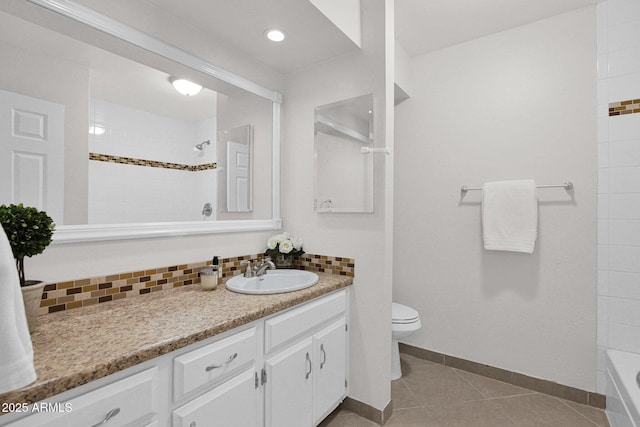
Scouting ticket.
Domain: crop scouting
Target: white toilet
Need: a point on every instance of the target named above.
(404, 321)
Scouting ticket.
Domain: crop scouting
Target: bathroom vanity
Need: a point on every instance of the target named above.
(190, 358)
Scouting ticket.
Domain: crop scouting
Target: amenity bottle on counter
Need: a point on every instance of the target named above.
(209, 276)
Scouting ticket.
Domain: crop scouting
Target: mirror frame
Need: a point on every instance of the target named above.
(101, 232)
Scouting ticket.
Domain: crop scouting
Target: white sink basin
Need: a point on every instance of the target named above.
(273, 282)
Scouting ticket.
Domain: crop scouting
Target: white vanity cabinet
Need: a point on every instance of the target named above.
(288, 369)
(306, 362)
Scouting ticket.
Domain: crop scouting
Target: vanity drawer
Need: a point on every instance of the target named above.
(123, 403)
(233, 403)
(210, 363)
(293, 323)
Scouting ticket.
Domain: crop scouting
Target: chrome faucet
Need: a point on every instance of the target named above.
(259, 270)
(266, 264)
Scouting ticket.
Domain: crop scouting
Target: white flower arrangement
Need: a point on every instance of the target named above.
(284, 244)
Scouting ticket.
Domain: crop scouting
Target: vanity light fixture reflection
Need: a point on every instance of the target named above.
(96, 130)
(185, 87)
(274, 35)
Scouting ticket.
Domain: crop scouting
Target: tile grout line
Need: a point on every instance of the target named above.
(420, 405)
(469, 382)
(487, 399)
(576, 411)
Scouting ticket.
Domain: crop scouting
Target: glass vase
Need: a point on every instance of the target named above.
(283, 261)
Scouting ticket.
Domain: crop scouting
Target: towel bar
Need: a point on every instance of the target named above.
(567, 186)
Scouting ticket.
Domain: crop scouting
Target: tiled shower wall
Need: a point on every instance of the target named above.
(153, 151)
(618, 179)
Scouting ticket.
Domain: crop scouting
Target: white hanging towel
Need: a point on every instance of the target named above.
(16, 357)
(510, 215)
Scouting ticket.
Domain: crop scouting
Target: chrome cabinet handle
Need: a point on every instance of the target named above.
(310, 367)
(231, 359)
(112, 413)
(324, 356)
(638, 378)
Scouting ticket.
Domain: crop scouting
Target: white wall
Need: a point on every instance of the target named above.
(619, 181)
(345, 14)
(517, 104)
(364, 237)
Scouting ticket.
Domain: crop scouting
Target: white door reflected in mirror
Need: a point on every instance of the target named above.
(235, 146)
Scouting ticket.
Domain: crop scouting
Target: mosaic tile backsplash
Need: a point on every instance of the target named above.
(629, 106)
(149, 163)
(95, 290)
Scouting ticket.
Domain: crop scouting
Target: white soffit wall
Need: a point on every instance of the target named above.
(345, 14)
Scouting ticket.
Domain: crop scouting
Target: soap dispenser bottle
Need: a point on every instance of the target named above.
(216, 269)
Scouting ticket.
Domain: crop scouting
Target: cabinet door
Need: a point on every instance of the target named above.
(289, 386)
(232, 404)
(330, 368)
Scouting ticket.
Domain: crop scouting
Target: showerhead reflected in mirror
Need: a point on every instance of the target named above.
(343, 175)
(201, 146)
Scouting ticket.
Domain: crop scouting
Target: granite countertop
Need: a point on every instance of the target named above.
(78, 346)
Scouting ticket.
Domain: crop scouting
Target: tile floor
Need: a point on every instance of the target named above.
(433, 395)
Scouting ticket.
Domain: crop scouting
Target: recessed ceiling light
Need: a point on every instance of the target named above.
(185, 87)
(274, 35)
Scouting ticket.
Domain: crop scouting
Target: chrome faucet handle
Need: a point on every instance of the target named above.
(249, 272)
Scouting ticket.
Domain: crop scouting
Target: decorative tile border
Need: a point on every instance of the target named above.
(630, 106)
(150, 163)
(326, 264)
(95, 290)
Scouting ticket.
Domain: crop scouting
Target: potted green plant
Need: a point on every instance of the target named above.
(29, 231)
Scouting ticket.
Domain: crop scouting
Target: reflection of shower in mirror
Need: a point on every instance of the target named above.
(207, 210)
(325, 204)
(200, 147)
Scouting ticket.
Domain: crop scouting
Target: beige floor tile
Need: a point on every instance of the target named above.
(539, 410)
(596, 415)
(481, 413)
(402, 397)
(492, 388)
(350, 420)
(413, 417)
(439, 385)
(408, 362)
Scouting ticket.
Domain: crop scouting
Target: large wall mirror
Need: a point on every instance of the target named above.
(97, 135)
(343, 173)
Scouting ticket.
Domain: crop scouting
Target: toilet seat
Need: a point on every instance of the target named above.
(402, 315)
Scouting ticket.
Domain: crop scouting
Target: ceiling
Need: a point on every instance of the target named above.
(426, 25)
(421, 25)
(311, 37)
